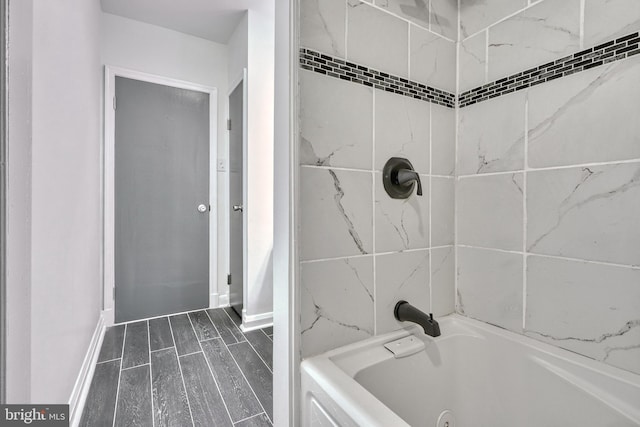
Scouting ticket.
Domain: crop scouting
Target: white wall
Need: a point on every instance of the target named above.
(156, 50)
(238, 45)
(260, 80)
(19, 203)
(66, 218)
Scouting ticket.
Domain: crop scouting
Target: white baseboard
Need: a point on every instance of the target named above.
(217, 300)
(83, 382)
(223, 300)
(256, 321)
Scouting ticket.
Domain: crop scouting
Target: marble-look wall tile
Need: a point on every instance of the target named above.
(400, 276)
(472, 62)
(586, 117)
(322, 26)
(443, 291)
(541, 33)
(477, 15)
(416, 11)
(336, 303)
(442, 211)
(490, 213)
(490, 287)
(433, 59)
(491, 135)
(401, 224)
(608, 19)
(443, 140)
(401, 130)
(336, 122)
(336, 213)
(590, 213)
(444, 18)
(591, 309)
(377, 39)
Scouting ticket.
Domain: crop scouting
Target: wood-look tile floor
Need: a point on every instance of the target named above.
(194, 369)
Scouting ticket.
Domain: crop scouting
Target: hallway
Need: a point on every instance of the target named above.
(145, 367)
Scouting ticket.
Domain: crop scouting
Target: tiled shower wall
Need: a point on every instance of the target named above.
(548, 177)
(362, 251)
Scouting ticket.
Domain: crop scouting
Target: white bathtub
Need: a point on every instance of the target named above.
(483, 375)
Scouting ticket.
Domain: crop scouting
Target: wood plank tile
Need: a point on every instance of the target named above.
(101, 399)
(136, 345)
(203, 326)
(134, 398)
(235, 390)
(259, 376)
(268, 330)
(227, 328)
(263, 345)
(112, 344)
(170, 405)
(257, 421)
(160, 334)
(207, 406)
(183, 334)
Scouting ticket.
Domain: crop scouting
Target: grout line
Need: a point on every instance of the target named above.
(160, 349)
(180, 369)
(133, 367)
(603, 263)
(560, 258)
(252, 416)
(582, 7)
(346, 28)
(373, 255)
(153, 421)
(524, 209)
(373, 214)
(261, 358)
(552, 168)
(486, 57)
(215, 381)
(214, 326)
(236, 326)
(249, 384)
(430, 206)
(115, 410)
(107, 361)
(189, 354)
(455, 169)
(409, 50)
(160, 317)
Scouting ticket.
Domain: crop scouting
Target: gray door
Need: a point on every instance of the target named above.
(235, 199)
(161, 178)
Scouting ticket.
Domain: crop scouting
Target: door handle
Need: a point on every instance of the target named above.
(202, 208)
(237, 208)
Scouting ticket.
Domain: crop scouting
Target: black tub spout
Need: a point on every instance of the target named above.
(405, 312)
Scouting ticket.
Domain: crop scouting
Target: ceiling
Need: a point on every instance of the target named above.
(213, 20)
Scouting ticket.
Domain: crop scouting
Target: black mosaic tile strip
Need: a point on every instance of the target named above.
(604, 53)
(341, 69)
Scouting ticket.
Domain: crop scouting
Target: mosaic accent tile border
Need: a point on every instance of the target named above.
(610, 51)
(360, 74)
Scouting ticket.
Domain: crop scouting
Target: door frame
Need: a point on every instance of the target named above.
(108, 176)
(241, 79)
